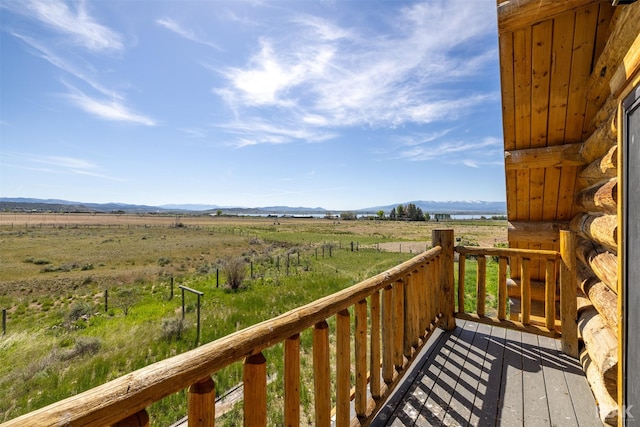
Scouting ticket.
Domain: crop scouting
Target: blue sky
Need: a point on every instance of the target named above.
(334, 104)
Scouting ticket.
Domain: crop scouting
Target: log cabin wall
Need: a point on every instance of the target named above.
(565, 66)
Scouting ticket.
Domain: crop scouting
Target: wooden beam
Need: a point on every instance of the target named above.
(604, 168)
(517, 14)
(544, 157)
(535, 231)
(599, 198)
(629, 67)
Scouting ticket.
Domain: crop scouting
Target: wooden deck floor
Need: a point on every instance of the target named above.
(482, 375)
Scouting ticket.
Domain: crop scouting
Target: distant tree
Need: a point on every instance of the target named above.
(347, 216)
(125, 299)
(419, 215)
(400, 212)
(219, 212)
(393, 214)
(427, 216)
(381, 214)
(235, 270)
(411, 212)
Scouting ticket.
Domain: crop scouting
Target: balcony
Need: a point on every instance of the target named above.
(400, 354)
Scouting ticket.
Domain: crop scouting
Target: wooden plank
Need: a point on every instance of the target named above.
(445, 386)
(513, 15)
(361, 358)
(464, 396)
(488, 398)
(583, 402)
(536, 408)
(563, 28)
(559, 403)
(292, 380)
(343, 367)
(512, 411)
(522, 86)
(321, 374)
(376, 352)
(530, 231)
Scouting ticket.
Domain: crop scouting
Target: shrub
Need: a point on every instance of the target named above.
(162, 261)
(235, 272)
(78, 310)
(84, 346)
(172, 328)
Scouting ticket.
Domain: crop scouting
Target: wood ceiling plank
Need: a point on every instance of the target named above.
(522, 86)
(508, 113)
(581, 59)
(563, 29)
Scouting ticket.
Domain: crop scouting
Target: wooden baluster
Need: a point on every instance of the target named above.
(424, 301)
(139, 419)
(361, 358)
(445, 239)
(568, 301)
(481, 285)
(550, 295)
(502, 288)
(428, 310)
(375, 346)
(434, 294)
(202, 403)
(525, 294)
(461, 278)
(388, 341)
(407, 342)
(254, 379)
(398, 324)
(415, 309)
(343, 367)
(321, 374)
(292, 381)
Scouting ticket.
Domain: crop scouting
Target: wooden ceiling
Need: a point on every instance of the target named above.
(548, 49)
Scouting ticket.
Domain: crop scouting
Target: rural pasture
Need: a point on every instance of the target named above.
(90, 297)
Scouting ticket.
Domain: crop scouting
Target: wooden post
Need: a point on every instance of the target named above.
(4, 321)
(343, 367)
(461, 279)
(502, 288)
(292, 381)
(375, 345)
(398, 324)
(139, 419)
(568, 301)
(321, 374)
(387, 335)
(217, 277)
(254, 378)
(106, 300)
(550, 295)
(198, 327)
(202, 403)
(481, 285)
(182, 289)
(445, 239)
(361, 358)
(525, 291)
(171, 287)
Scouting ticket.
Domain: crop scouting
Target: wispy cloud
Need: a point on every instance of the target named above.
(486, 151)
(61, 165)
(107, 109)
(77, 24)
(260, 132)
(335, 77)
(186, 33)
(56, 60)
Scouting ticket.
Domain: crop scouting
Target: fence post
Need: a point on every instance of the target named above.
(201, 404)
(4, 321)
(106, 300)
(171, 296)
(445, 239)
(568, 298)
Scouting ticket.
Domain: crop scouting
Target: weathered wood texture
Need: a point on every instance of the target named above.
(544, 157)
(602, 344)
(602, 229)
(607, 409)
(603, 263)
(601, 197)
(602, 169)
(600, 295)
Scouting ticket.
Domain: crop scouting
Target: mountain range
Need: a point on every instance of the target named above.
(57, 205)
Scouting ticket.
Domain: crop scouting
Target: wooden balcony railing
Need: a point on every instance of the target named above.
(522, 258)
(395, 313)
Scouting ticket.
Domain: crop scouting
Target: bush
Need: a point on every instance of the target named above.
(83, 346)
(235, 271)
(172, 328)
(162, 261)
(78, 310)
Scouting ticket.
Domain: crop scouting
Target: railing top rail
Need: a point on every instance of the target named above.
(128, 394)
(508, 252)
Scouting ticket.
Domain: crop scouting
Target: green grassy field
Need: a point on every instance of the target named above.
(61, 339)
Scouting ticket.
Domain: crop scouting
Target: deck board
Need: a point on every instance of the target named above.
(484, 375)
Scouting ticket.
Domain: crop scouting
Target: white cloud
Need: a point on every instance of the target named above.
(65, 165)
(176, 28)
(84, 30)
(109, 110)
(259, 132)
(329, 76)
(469, 153)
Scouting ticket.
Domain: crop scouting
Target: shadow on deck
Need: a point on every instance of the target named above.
(483, 375)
